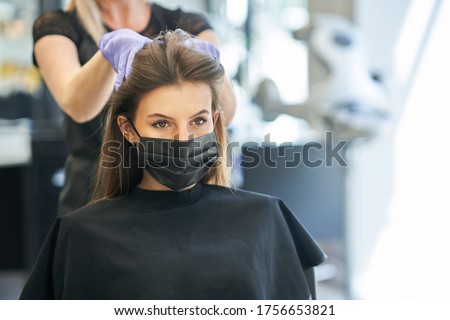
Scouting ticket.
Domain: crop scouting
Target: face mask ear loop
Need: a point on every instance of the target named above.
(134, 128)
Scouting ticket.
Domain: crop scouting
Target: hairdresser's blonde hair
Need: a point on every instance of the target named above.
(88, 14)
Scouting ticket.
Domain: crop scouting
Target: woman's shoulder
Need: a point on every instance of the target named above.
(241, 194)
(239, 200)
(56, 22)
(93, 212)
(54, 17)
(271, 211)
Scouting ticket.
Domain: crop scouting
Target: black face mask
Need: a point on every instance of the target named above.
(178, 164)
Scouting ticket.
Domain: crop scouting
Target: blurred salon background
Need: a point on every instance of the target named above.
(358, 90)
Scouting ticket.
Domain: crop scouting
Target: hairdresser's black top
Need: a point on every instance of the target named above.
(208, 242)
(84, 140)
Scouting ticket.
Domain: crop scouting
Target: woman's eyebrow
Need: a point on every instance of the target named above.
(200, 112)
(160, 115)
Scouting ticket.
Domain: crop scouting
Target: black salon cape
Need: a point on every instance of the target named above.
(208, 242)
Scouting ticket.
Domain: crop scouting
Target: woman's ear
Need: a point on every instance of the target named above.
(127, 130)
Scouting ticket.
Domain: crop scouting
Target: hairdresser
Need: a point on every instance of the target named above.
(81, 79)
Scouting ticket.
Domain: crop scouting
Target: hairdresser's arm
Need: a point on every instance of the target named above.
(80, 91)
(228, 98)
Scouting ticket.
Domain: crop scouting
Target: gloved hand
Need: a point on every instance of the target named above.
(119, 47)
(203, 46)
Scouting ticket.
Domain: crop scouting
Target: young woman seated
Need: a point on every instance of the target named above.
(164, 222)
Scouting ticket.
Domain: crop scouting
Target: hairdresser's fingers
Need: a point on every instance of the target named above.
(120, 77)
(130, 60)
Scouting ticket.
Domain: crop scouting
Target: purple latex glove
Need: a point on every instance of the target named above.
(203, 46)
(119, 47)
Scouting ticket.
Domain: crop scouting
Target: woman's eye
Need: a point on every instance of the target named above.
(161, 124)
(199, 121)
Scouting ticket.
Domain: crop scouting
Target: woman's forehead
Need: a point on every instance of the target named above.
(176, 100)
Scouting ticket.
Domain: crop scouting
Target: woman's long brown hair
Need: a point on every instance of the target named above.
(169, 60)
